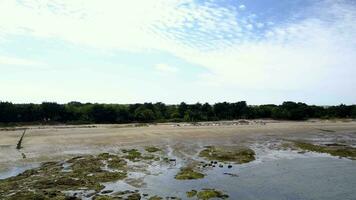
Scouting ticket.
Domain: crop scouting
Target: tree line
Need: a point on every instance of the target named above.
(86, 113)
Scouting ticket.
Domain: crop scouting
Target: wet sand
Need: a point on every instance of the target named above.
(44, 143)
(235, 159)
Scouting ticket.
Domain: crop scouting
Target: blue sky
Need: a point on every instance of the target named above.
(171, 51)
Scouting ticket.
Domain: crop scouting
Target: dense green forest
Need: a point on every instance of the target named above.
(79, 113)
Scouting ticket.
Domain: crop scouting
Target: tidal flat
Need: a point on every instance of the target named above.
(277, 160)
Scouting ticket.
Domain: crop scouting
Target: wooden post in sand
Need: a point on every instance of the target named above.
(18, 146)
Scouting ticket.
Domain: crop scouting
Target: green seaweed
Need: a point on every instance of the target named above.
(155, 198)
(191, 194)
(134, 196)
(228, 154)
(105, 197)
(207, 194)
(334, 150)
(188, 173)
(132, 154)
(49, 180)
(152, 149)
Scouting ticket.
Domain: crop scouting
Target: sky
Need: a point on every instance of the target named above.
(134, 51)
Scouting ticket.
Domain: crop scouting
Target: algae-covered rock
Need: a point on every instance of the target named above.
(105, 197)
(152, 149)
(30, 195)
(188, 173)
(50, 181)
(135, 156)
(332, 149)
(155, 198)
(132, 154)
(134, 196)
(191, 193)
(237, 155)
(207, 194)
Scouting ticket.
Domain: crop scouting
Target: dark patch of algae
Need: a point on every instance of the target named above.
(332, 149)
(152, 149)
(50, 180)
(133, 196)
(155, 198)
(207, 194)
(237, 155)
(134, 155)
(188, 173)
(191, 194)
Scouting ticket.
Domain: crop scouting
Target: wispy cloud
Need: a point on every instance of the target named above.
(10, 61)
(310, 49)
(165, 68)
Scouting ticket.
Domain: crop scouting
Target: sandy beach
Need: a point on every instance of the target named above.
(44, 143)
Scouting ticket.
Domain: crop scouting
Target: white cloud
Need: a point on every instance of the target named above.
(113, 24)
(311, 53)
(4, 60)
(249, 26)
(260, 25)
(165, 68)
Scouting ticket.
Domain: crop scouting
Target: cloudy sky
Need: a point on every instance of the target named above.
(127, 51)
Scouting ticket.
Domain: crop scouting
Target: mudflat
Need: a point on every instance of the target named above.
(206, 160)
(44, 143)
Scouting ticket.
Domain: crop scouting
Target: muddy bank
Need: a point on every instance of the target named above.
(170, 161)
(53, 142)
(180, 171)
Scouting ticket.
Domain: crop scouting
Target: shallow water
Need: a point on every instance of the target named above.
(275, 174)
(17, 170)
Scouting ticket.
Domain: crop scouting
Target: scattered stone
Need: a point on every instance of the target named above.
(231, 174)
(106, 191)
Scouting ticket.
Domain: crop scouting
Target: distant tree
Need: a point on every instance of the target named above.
(144, 114)
(188, 116)
(29, 113)
(223, 110)
(279, 113)
(182, 108)
(102, 114)
(239, 110)
(122, 115)
(52, 111)
(8, 112)
(76, 112)
(160, 110)
(353, 111)
(207, 112)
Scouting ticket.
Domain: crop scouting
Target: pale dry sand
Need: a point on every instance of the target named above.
(57, 142)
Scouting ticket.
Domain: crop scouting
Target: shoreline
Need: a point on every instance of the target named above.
(46, 143)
